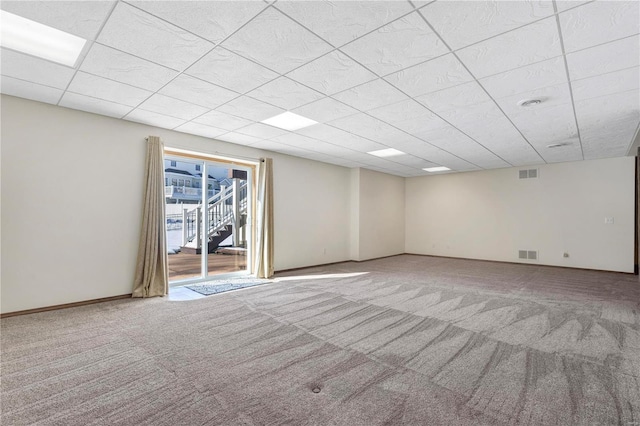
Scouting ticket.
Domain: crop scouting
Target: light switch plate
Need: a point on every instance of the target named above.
(608, 220)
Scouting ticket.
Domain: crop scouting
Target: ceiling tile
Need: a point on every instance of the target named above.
(276, 42)
(325, 109)
(605, 111)
(409, 116)
(212, 20)
(197, 92)
(599, 22)
(366, 126)
(262, 131)
(222, 120)
(94, 105)
(138, 33)
(340, 137)
(531, 77)
(25, 89)
(332, 73)
(532, 43)
(238, 138)
(172, 107)
(340, 22)
(81, 18)
(371, 95)
(606, 84)
(231, 71)
(300, 141)
(398, 45)
(613, 142)
(605, 58)
(430, 76)
(285, 93)
(200, 130)
(29, 68)
(109, 90)
(462, 23)
(125, 68)
(563, 5)
(455, 97)
(250, 109)
(457, 143)
(544, 126)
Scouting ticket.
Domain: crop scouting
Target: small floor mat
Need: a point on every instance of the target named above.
(220, 286)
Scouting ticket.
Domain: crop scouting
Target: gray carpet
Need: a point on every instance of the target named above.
(407, 340)
(221, 286)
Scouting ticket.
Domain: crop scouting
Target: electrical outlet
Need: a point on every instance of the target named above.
(566, 254)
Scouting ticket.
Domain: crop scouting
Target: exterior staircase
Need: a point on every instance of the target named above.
(226, 211)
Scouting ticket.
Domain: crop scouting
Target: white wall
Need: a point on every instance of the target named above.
(492, 214)
(63, 171)
(380, 200)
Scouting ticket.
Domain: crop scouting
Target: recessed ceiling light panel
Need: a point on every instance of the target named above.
(289, 121)
(33, 38)
(436, 169)
(389, 152)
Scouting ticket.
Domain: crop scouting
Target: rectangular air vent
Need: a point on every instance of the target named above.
(532, 255)
(528, 174)
(522, 254)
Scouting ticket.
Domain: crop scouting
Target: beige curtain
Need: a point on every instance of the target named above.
(151, 277)
(264, 210)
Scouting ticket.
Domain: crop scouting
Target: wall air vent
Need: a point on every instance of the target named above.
(522, 254)
(528, 254)
(528, 174)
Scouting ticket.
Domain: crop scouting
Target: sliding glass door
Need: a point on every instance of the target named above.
(208, 207)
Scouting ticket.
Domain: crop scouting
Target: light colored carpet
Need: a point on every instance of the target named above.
(407, 340)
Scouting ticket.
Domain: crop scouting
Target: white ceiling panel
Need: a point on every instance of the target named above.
(197, 92)
(212, 20)
(141, 34)
(457, 143)
(109, 90)
(340, 22)
(409, 116)
(154, 119)
(125, 68)
(606, 84)
(599, 22)
(563, 5)
(603, 112)
(307, 143)
(325, 109)
(436, 74)
(332, 73)
(238, 138)
(172, 107)
(276, 42)
(609, 141)
(200, 130)
(250, 109)
(546, 126)
(261, 131)
(529, 44)
(222, 120)
(94, 105)
(462, 23)
(28, 68)
(371, 95)
(81, 18)
(25, 89)
(231, 71)
(455, 97)
(340, 137)
(526, 79)
(398, 45)
(605, 58)
(366, 126)
(285, 93)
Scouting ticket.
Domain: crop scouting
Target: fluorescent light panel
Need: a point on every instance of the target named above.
(33, 38)
(289, 121)
(389, 152)
(436, 169)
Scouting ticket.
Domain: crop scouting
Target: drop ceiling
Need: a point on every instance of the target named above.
(440, 81)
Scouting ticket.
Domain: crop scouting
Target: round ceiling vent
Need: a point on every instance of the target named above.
(529, 102)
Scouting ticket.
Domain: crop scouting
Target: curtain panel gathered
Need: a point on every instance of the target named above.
(151, 278)
(264, 211)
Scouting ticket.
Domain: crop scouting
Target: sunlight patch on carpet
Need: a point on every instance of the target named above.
(220, 286)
